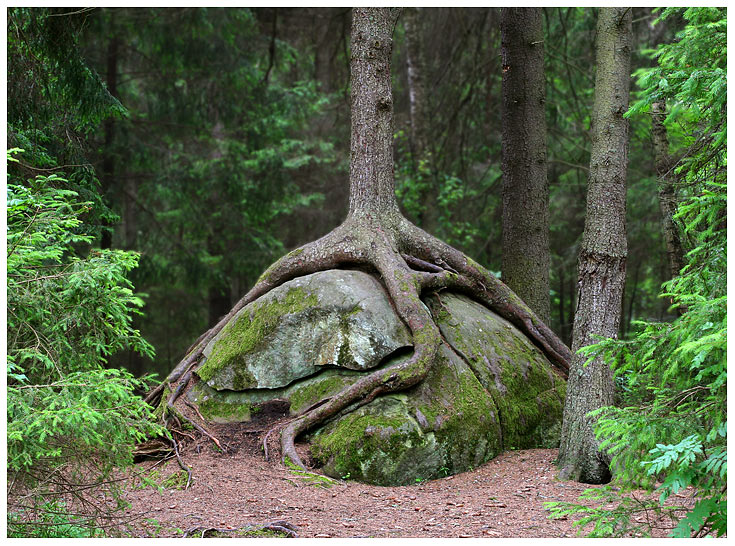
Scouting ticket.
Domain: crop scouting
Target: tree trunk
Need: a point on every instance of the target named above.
(416, 81)
(419, 108)
(526, 256)
(603, 252)
(108, 160)
(372, 185)
(666, 188)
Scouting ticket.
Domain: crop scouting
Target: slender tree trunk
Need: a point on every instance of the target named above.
(416, 81)
(219, 293)
(526, 255)
(562, 314)
(631, 299)
(419, 108)
(666, 188)
(603, 252)
(130, 212)
(108, 160)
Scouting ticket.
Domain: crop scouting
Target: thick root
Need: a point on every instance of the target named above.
(478, 283)
(404, 290)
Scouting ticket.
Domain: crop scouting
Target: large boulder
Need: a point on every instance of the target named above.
(332, 319)
(490, 388)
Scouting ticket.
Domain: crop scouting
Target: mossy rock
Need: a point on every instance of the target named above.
(529, 393)
(490, 388)
(445, 425)
(228, 406)
(329, 319)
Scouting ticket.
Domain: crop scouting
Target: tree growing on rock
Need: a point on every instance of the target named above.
(375, 236)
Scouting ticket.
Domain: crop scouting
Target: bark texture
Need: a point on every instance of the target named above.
(525, 256)
(603, 253)
(376, 237)
(416, 81)
(372, 187)
(666, 188)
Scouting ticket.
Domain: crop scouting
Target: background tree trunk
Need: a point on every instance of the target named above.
(603, 252)
(666, 188)
(419, 110)
(525, 256)
(108, 159)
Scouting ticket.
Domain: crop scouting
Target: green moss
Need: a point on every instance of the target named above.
(376, 444)
(473, 264)
(466, 424)
(246, 332)
(534, 401)
(309, 478)
(514, 373)
(225, 412)
(158, 413)
(259, 533)
(309, 393)
(177, 480)
(344, 356)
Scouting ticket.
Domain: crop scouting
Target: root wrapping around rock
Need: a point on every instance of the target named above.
(410, 262)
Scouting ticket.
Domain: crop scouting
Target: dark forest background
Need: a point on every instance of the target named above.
(223, 141)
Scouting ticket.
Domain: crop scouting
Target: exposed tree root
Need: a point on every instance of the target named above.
(181, 461)
(410, 263)
(281, 526)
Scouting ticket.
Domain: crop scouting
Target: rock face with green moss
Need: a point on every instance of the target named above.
(489, 390)
(330, 319)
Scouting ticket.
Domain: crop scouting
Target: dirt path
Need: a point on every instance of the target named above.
(502, 498)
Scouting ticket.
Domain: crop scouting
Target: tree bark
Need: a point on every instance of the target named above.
(416, 81)
(603, 253)
(525, 244)
(372, 185)
(666, 188)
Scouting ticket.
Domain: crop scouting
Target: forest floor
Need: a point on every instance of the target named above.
(503, 498)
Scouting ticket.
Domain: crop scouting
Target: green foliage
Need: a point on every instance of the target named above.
(50, 81)
(71, 421)
(413, 183)
(691, 71)
(628, 516)
(216, 152)
(53, 521)
(55, 101)
(670, 432)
